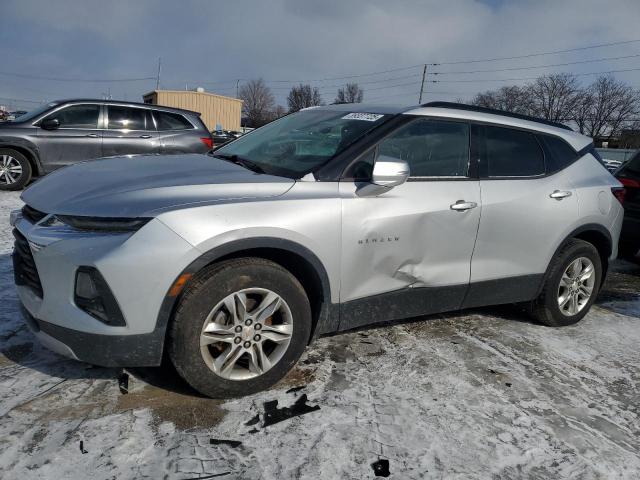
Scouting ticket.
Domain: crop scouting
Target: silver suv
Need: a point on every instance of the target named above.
(68, 131)
(324, 220)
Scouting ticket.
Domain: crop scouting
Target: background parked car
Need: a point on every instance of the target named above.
(629, 176)
(220, 137)
(65, 132)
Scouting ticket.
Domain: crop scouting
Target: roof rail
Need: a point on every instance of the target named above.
(494, 111)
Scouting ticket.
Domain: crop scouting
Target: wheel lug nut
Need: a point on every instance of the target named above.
(248, 322)
(257, 326)
(247, 344)
(238, 329)
(237, 340)
(256, 338)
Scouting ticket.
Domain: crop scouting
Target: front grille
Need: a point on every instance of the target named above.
(31, 214)
(24, 267)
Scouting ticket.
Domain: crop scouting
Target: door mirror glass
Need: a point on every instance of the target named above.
(389, 172)
(50, 124)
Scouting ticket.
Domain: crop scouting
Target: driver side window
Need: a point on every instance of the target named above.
(432, 148)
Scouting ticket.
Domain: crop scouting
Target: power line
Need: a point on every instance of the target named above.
(87, 80)
(359, 75)
(537, 66)
(529, 55)
(531, 78)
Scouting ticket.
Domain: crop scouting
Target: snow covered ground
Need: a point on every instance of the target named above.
(477, 394)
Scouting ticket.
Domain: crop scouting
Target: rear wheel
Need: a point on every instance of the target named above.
(15, 170)
(571, 285)
(239, 328)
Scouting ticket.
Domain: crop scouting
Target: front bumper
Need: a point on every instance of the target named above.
(139, 269)
(143, 350)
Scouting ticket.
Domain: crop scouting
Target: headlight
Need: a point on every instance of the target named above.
(103, 224)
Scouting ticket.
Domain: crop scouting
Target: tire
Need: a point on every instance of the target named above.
(209, 300)
(547, 308)
(15, 170)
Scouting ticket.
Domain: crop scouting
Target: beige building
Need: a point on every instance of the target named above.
(215, 109)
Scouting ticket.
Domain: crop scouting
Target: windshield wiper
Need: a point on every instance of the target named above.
(243, 162)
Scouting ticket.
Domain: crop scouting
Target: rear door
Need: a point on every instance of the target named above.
(525, 213)
(130, 130)
(78, 138)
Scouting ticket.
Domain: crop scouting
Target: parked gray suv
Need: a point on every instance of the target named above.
(65, 132)
(324, 220)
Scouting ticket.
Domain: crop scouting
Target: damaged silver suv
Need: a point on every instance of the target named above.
(324, 220)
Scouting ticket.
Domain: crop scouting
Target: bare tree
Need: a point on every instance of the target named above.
(510, 99)
(279, 111)
(352, 93)
(608, 106)
(303, 96)
(257, 102)
(554, 97)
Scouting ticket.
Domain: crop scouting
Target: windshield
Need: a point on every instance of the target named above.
(301, 142)
(36, 112)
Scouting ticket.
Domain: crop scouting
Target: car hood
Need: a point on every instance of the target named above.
(147, 185)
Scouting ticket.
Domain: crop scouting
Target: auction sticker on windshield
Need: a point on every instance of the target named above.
(367, 117)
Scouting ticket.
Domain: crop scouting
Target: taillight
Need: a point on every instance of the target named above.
(619, 193)
(628, 182)
(208, 141)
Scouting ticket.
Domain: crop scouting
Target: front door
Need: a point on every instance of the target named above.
(78, 138)
(407, 252)
(130, 131)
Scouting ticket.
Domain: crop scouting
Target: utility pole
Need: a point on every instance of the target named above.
(158, 77)
(237, 86)
(424, 74)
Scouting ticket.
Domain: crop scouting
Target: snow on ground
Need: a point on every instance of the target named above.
(476, 394)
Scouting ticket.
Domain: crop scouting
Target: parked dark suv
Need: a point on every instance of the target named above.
(65, 132)
(629, 176)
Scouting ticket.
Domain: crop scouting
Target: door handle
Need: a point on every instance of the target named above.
(91, 135)
(461, 206)
(559, 195)
(145, 136)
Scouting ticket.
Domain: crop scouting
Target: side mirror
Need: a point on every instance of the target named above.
(50, 124)
(388, 172)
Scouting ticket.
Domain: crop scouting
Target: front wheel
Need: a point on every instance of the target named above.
(240, 326)
(572, 283)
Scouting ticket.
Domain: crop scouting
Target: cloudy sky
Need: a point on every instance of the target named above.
(213, 44)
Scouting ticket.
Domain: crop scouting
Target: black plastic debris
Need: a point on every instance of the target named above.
(493, 371)
(82, 450)
(123, 383)
(381, 468)
(508, 384)
(231, 443)
(253, 430)
(273, 414)
(214, 475)
(253, 421)
(295, 389)
(367, 342)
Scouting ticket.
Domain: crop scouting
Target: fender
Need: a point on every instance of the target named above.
(20, 144)
(327, 320)
(588, 227)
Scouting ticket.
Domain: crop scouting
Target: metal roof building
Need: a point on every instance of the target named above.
(215, 109)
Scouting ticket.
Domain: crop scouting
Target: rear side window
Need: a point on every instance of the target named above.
(511, 153)
(125, 118)
(171, 121)
(78, 116)
(559, 153)
(431, 148)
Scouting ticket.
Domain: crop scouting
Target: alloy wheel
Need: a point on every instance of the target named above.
(576, 286)
(10, 169)
(246, 334)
